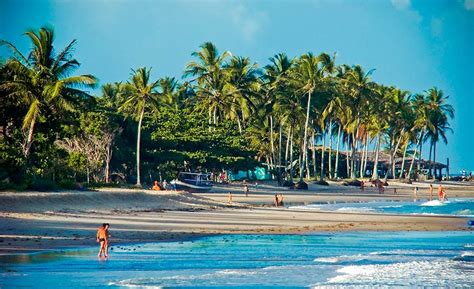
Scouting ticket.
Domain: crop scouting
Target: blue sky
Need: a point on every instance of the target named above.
(413, 44)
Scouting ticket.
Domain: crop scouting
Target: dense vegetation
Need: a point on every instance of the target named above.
(227, 113)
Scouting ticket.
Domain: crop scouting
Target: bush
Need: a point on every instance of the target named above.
(301, 186)
(321, 183)
(354, 183)
(42, 185)
(68, 185)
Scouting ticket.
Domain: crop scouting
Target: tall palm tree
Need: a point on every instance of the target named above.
(213, 89)
(42, 79)
(439, 114)
(307, 75)
(140, 94)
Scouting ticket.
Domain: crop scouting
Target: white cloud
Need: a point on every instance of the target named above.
(469, 4)
(248, 22)
(401, 4)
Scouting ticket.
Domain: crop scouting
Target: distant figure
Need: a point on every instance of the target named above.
(415, 193)
(280, 200)
(229, 198)
(277, 201)
(362, 185)
(155, 187)
(431, 192)
(442, 194)
(379, 185)
(256, 185)
(246, 188)
(165, 185)
(103, 239)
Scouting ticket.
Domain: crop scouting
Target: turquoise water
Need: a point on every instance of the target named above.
(453, 207)
(365, 259)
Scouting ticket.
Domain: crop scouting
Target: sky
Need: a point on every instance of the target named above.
(412, 44)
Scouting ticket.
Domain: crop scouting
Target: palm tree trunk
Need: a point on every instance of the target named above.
(288, 137)
(414, 155)
(361, 167)
(139, 184)
(336, 165)
(305, 135)
(418, 168)
(434, 160)
(347, 158)
(313, 152)
(429, 164)
(375, 172)
(366, 153)
(321, 175)
(108, 158)
(239, 124)
(291, 157)
(403, 159)
(279, 155)
(330, 149)
(271, 139)
(353, 155)
(29, 139)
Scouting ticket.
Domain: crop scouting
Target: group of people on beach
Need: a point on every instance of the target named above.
(441, 193)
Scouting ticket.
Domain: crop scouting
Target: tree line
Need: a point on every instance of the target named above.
(225, 112)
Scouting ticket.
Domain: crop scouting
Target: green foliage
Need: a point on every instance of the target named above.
(227, 114)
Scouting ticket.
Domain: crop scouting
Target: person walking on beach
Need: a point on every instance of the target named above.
(229, 198)
(103, 239)
(362, 185)
(431, 192)
(246, 188)
(277, 202)
(415, 193)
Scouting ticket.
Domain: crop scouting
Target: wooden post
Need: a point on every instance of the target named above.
(447, 169)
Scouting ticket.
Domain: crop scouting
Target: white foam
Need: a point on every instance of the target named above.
(327, 260)
(434, 203)
(356, 209)
(430, 273)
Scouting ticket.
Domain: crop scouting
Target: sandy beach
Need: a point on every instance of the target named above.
(35, 221)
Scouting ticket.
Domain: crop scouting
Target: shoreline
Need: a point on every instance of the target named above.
(36, 222)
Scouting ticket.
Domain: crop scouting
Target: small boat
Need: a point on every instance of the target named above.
(192, 182)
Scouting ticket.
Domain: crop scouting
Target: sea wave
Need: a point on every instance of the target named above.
(448, 272)
(434, 203)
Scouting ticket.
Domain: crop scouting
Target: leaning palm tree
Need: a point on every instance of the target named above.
(42, 79)
(307, 75)
(141, 94)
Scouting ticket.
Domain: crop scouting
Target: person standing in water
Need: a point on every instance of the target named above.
(442, 194)
(103, 239)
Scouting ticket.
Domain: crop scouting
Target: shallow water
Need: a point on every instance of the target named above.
(367, 259)
(453, 207)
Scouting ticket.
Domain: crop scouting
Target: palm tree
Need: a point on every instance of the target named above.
(213, 89)
(42, 79)
(307, 75)
(141, 94)
(439, 113)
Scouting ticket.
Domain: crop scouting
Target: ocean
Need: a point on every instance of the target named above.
(462, 207)
(319, 260)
